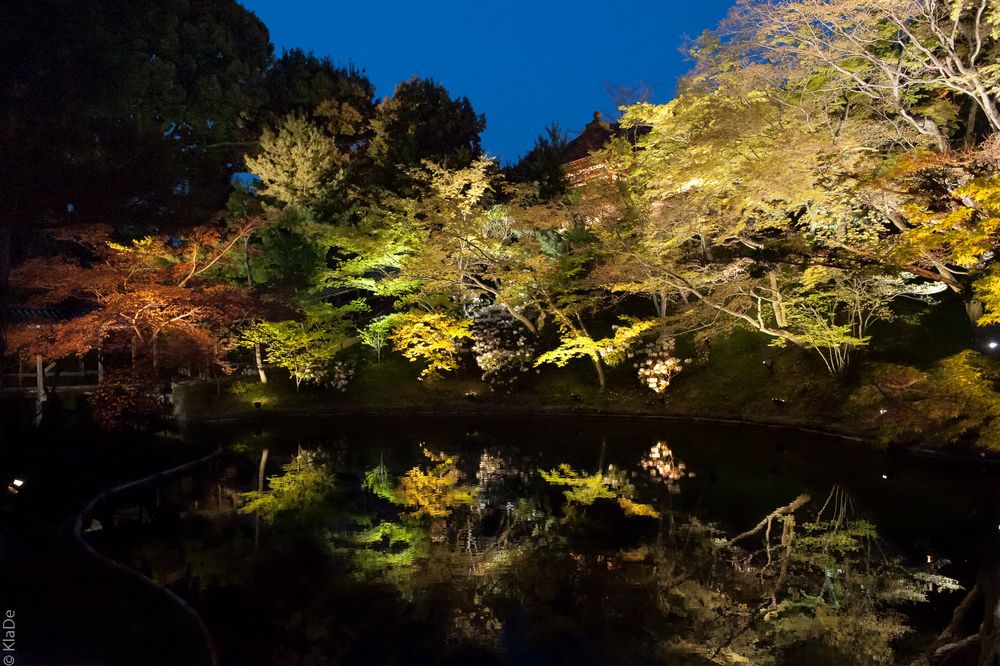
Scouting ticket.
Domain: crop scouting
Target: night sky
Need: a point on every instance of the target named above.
(524, 64)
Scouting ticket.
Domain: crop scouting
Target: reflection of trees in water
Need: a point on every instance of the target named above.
(518, 555)
(793, 589)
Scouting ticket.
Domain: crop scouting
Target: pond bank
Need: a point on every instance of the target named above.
(389, 391)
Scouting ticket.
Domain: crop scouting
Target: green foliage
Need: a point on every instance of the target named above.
(380, 482)
(298, 165)
(376, 333)
(840, 595)
(389, 551)
(577, 344)
(954, 401)
(306, 484)
(340, 99)
(585, 489)
(542, 166)
(831, 311)
(306, 348)
(249, 390)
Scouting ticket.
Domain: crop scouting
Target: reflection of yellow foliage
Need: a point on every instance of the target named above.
(583, 488)
(636, 509)
(434, 493)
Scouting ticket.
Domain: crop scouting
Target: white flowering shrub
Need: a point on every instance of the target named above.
(339, 375)
(502, 346)
(659, 366)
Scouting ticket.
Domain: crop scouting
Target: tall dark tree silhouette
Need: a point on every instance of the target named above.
(341, 99)
(123, 111)
(422, 122)
(542, 165)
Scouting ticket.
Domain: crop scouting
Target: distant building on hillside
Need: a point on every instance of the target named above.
(578, 163)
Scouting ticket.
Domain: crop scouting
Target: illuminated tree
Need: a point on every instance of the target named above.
(463, 247)
(584, 489)
(659, 366)
(952, 401)
(905, 59)
(377, 332)
(577, 343)
(298, 164)
(307, 348)
(152, 295)
(944, 214)
(431, 338)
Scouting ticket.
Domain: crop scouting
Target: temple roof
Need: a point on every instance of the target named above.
(593, 137)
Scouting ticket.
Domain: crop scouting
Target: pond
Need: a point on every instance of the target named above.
(557, 541)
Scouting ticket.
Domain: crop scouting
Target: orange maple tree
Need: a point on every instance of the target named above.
(154, 297)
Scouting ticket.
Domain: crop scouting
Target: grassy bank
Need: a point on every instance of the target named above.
(732, 382)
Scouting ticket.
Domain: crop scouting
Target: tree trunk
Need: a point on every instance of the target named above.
(521, 318)
(706, 249)
(780, 317)
(989, 587)
(40, 387)
(660, 303)
(974, 309)
(599, 368)
(989, 632)
(970, 125)
(257, 356)
(260, 489)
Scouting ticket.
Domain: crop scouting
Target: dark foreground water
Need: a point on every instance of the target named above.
(560, 541)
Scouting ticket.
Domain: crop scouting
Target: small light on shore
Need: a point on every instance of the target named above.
(993, 344)
(883, 410)
(18, 483)
(885, 476)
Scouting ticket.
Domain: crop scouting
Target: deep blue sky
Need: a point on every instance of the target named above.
(522, 63)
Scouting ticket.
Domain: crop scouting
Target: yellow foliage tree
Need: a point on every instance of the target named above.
(432, 338)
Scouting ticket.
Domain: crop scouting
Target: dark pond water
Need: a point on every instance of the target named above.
(562, 541)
